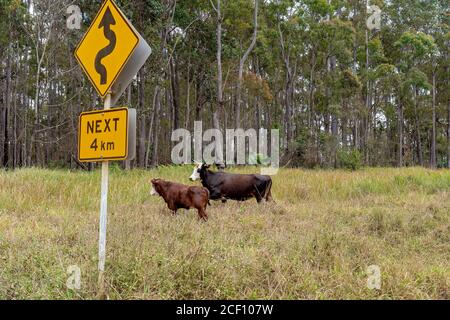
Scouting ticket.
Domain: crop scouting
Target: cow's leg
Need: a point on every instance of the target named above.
(269, 191)
(172, 208)
(202, 214)
(269, 196)
(257, 195)
(215, 195)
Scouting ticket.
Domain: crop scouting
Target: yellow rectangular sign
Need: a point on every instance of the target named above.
(103, 135)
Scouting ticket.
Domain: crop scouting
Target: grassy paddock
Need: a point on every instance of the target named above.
(316, 242)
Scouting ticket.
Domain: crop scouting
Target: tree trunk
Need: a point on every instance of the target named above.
(198, 102)
(188, 96)
(15, 162)
(368, 120)
(288, 92)
(331, 65)
(448, 135)
(142, 129)
(312, 77)
(400, 135)
(155, 158)
(344, 123)
(127, 163)
(448, 114)
(242, 63)
(417, 124)
(7, 109)
(219, 67)
(216, 122)
(175, 94)
(150, 130)
(433, 138)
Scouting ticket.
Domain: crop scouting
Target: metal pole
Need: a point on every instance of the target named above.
(103, 219)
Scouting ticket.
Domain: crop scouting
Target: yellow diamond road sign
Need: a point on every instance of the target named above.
(112, 51)
(103, 135)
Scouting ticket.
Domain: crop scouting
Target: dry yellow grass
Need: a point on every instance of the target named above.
(316, 242)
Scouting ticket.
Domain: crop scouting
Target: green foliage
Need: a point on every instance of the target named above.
(340, 82)
(377, 55)
(258, 159)
(415, 48)
(350, 159)
(319, 7)
(350, 83)
(417, 78)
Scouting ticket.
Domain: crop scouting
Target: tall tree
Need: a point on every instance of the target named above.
(242, 63)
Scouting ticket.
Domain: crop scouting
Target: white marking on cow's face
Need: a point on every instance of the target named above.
(153, 192)
(195, 174)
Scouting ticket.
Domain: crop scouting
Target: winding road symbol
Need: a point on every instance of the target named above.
(106, 23)
(111, 51)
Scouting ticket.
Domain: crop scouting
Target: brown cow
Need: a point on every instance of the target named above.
(178, 196)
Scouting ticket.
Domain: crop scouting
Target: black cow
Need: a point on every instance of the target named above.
(227, 186)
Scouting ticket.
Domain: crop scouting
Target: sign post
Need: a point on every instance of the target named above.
(103, 217)
(106, 135)
(111, 54)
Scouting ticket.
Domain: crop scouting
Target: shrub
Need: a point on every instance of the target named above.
(349, 159)
(258, 159)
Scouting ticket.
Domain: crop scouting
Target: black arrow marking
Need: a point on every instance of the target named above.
(106, 23)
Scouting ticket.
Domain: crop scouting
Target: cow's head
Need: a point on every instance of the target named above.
(155, 187)
(197, 170)
(196, 173)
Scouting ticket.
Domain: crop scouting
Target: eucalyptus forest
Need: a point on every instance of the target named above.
(339, 92)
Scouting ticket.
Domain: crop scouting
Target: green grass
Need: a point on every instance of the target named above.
(315, 242)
